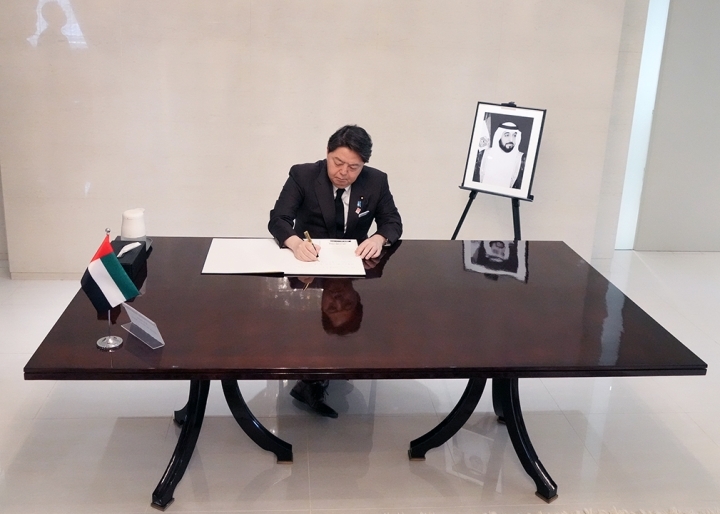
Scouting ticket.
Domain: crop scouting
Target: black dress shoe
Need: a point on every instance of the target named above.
(312, 394)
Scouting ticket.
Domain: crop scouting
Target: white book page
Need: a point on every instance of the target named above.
(245, 256)
(337, 257)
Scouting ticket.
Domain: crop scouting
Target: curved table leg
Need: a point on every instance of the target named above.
(179, 416)
(192, 423)
(251, 426)
(497, 404)
(454, 421)
(509, 399)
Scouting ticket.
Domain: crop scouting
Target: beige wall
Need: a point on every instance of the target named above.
(3, 236)
(681, 191)
(196, 110)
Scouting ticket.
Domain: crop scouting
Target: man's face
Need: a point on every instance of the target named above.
(343, 167)
(507, 140)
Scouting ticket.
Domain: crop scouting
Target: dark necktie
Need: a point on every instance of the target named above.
(339, 213)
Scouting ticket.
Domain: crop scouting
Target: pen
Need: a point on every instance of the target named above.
(307, 236)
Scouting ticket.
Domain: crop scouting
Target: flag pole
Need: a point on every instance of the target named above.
(109, 342)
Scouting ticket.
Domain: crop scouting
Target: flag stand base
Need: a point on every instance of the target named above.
(109, 342)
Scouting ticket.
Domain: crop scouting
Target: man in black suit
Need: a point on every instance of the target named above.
(338, 197)
(309, 201)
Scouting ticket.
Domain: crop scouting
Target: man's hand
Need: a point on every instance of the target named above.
(302, 250)
(371, 247)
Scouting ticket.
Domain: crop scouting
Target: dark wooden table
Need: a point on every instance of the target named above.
(428, 312)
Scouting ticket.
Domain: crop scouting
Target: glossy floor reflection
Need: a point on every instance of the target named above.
(630, 443)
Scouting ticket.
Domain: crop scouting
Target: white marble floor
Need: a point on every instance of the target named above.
(624, 443)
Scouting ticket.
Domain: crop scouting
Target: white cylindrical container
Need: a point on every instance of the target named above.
(133, 225)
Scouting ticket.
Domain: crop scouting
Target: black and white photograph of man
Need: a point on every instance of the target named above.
(503, 150)
(502, 163)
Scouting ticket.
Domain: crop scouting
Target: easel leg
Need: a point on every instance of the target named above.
(515, 214)
(473, 194)
(516, 218)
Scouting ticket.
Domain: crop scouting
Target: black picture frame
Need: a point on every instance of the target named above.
(503, 150)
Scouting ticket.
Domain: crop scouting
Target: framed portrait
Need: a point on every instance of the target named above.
(503, 150)
(497, 258)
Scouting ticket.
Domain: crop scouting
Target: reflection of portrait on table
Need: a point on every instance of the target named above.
(501, 164)
(496, 258)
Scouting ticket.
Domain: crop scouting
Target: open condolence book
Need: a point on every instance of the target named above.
(246, 256)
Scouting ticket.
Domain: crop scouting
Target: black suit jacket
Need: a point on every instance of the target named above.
(306, 202)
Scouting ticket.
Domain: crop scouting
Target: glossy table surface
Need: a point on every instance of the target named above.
(427, 312)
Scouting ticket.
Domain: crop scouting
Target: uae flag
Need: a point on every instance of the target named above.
(105, 281)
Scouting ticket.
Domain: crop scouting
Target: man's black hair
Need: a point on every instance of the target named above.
(353, 137)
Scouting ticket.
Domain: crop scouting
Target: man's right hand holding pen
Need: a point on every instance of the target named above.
(303, 249)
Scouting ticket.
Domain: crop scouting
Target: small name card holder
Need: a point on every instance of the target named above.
(143, 328)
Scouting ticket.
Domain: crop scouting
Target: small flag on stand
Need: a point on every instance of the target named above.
(105, 281)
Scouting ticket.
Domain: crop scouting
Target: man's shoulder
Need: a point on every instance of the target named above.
(373, 174)
(309, 169)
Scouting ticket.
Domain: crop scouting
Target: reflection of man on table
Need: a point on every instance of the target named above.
(341, 307)
(338, 197)
(502, 164)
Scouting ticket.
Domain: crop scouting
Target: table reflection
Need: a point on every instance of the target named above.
(341, 315)
(612, 326)
(497, 258)
(340, 305)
